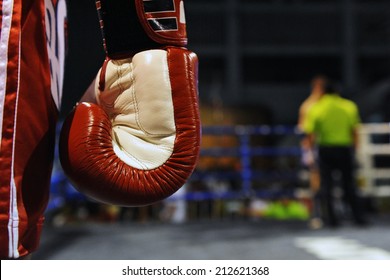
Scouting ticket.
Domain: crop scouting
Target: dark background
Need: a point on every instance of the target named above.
(262, 54)
(85, 51)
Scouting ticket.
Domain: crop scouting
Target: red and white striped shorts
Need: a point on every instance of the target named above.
(31, 73)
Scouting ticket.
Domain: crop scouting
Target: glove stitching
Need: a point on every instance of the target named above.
(166, 70)
(137, 115)
(134, 96)
(130, 155)
(120, 74)
(144, 163)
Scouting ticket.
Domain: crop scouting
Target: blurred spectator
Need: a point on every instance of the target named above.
(308, 153)
(331, 125)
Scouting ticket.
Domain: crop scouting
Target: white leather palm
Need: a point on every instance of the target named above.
(137, 98)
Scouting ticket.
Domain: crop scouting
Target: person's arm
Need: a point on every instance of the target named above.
(355, 137)
(90, 94)
(309, 141)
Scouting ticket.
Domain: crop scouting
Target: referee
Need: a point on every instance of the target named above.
(331, 125)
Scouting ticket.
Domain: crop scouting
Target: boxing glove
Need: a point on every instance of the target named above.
(140, 142)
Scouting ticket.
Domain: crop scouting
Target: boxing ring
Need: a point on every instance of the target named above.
(245, 152)
(265, 163)
(374, 159)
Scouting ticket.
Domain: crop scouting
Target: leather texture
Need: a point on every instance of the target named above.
(141, 143)
(135, 89)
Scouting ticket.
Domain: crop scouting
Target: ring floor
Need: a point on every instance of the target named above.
(215, 240)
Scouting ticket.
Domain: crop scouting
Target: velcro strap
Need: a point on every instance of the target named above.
(131, 26)
(164, 21)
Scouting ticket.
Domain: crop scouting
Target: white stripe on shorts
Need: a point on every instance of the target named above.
(7, 10)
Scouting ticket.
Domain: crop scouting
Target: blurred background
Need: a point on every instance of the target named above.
(249, 196)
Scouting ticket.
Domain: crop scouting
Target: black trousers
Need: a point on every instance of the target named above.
(339, 159)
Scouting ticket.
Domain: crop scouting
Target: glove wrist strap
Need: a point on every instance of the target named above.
(131, 26)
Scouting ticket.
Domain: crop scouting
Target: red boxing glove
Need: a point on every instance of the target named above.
(140, 142)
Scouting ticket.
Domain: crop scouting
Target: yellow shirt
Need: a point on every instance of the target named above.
(333, 120)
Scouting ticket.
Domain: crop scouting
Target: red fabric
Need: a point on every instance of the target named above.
(28, 132)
